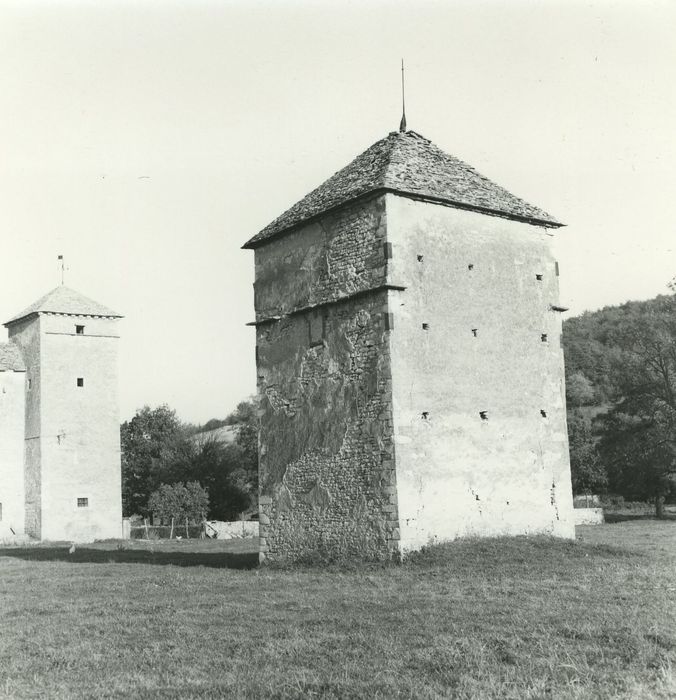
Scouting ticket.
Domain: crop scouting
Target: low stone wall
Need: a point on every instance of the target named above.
(228, 531)
(588, 516)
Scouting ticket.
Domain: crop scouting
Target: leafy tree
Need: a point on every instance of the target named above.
(638, 434)
(153, 446)
(246, 440)
(182, 503)
(587, 471)
(230, 471)
(579, 390)
(217, 467)
(158, 449)
(640, 462)
(587, 358)
(164, 503)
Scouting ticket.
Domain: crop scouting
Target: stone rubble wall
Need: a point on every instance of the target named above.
(337, 256)
(326, 461)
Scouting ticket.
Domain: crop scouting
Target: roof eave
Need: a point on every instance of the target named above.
(7, 324)
(252, 243)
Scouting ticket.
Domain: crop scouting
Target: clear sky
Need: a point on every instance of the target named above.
(147, 140)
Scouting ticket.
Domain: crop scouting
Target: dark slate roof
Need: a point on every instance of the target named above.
(410, 164)
(10, 358)
(64, 300)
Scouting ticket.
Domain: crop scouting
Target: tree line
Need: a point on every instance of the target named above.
(158, 450)
(621, 398)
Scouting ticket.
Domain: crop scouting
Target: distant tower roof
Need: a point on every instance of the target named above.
(63, 300)
(10, 358)
(407, 163)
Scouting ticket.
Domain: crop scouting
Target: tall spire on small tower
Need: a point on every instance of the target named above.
(402, 123)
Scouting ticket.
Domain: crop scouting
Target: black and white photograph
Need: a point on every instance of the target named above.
(338, 355)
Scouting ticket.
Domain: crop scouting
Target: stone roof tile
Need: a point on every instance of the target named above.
(409, 164)
(63, 300)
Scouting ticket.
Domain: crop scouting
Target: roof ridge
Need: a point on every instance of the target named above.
(392, 136)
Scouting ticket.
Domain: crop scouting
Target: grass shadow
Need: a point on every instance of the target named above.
(611, 518)
(84, 555)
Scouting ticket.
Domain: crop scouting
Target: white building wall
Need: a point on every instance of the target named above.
(459, 475)
(72, 433)
(12, 416)
(80, 440)
(26, 335)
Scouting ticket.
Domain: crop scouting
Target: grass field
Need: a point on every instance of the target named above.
(508, 618)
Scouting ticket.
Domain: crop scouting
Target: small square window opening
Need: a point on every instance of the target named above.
(543, 337)
(80, 381)
(316, 328)
(470, 266)
(538, 278)
(426, 326)
(82, 502)
(484, 415)
(79, 330)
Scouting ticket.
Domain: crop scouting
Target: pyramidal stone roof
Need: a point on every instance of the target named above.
(10, 358)
(409, 164)
(63, 300)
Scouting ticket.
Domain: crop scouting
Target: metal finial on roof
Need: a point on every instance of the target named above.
(402, 123)
(63, 268)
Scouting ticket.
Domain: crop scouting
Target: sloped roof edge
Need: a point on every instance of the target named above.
(253, 243)
(408, 164)
(63, 300)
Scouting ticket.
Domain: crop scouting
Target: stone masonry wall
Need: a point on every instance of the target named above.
(326, 456)
(339, 255)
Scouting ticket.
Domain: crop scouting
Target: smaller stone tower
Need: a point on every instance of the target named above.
(72, 475)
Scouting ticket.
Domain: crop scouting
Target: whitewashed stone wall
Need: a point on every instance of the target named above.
(474, 331)
(72, 432)
(12, 416)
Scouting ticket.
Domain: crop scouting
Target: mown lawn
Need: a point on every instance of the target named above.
(508, 618)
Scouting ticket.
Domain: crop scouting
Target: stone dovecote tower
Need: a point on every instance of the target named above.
(409, 362)
(72, 485)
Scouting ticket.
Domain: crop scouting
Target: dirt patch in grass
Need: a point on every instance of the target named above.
(504, 618)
